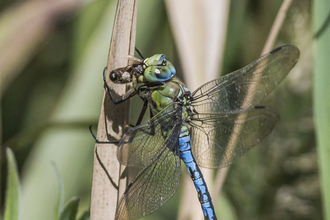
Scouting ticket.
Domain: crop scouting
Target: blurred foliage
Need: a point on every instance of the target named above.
(321, 25)
(279, 179)
(12, 211)
(70, 210)
(13, 198)
(47, 108)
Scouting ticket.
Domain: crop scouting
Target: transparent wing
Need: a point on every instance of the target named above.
(218, 140)
(142, 144)
(245, 88)
(154, 185)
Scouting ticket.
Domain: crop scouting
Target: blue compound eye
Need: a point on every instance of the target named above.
(155, 60)
(158, 69)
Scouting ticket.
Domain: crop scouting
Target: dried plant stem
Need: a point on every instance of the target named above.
(276, 26)
(113, 118)
(199, 28)
(221, 175)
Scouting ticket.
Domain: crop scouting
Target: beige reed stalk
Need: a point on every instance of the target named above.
(113, 118)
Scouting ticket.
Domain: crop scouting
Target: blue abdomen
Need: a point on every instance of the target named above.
(195, 174)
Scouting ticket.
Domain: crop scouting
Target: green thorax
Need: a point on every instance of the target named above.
(171, 91)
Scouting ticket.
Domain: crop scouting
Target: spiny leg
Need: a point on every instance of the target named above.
(142, 113)
(98, 141)
(139, 53)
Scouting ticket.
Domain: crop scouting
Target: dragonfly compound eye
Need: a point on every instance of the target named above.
(158, 71)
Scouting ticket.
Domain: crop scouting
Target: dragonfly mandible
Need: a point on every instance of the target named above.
(210, 127)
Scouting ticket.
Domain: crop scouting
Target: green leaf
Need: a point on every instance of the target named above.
(70, 209)
(85, 216)
(79, 101)
(60, 201)
(321, 95)
(13, 189)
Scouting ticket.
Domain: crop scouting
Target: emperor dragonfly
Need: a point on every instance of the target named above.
(211, 127)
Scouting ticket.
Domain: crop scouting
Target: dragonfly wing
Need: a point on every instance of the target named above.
(245, 88)
(142, 144)
(220, 139)
(154, 185)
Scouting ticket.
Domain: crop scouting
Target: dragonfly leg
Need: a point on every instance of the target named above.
(98, 141)
(142, 113)
(139, 53)
(151, 113)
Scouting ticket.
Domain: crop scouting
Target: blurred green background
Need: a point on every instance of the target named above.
(56, 90)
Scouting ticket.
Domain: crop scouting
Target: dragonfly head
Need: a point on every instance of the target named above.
(157, 69)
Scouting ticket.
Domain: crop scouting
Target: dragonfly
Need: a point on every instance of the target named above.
(211, 127)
